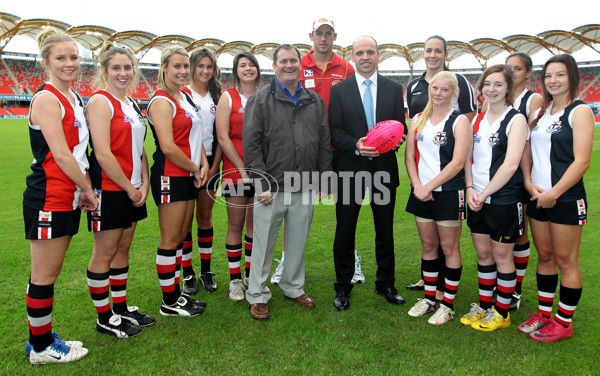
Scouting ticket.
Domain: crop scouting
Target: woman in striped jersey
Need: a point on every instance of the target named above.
(119, 171)
(436, 150)
(180, 168)
(562, 134)
(494, 193)
(56, 190)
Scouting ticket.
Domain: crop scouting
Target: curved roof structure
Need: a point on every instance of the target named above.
(483, 49)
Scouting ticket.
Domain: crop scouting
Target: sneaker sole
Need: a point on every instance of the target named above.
(44, 361)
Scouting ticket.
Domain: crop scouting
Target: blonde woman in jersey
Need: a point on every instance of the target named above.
(119, 171)
(57, 189)
(436, 150)
(180, 168)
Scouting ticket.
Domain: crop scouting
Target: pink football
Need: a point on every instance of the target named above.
(385, 135)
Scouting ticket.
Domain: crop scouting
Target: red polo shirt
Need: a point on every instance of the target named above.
(312, 77)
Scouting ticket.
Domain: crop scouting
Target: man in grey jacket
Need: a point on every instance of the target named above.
(286, 147)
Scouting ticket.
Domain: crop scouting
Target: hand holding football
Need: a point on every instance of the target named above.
(385, 135)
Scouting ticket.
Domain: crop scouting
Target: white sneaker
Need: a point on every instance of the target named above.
(421, 308)
(57, 352)
(443, 315)
(276, 277)
(358, 276)
(236, 290)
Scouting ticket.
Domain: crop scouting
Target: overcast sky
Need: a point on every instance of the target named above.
(290, 22)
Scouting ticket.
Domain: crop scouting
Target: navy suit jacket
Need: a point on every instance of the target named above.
(348, 123)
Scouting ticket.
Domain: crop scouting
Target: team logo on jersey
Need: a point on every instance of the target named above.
(419, 137)
(494, 139)
(416, 93)
(213, 109)
(337, 75)
(308, 73)
(440, 139)
(77, 123)
(476, 138)
(335, 82)
(241, 110)
(127, 119)
(554, 127)
(187, 114)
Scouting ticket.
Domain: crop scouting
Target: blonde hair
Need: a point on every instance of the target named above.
(110, 49)
(422, 120)
(47, 39)
(164, 60)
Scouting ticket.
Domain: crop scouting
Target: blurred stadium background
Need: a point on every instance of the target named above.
(21, 74)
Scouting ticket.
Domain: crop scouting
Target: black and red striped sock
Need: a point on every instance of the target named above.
(521, 258)
(567, 303)
(429, 270)
(165, 266)
(546, 291)
(247, 254)
(40, 299)
(452, 279)
(205, 244)
(486, 275)
(505, 286)
(234, 254)
(98, 285)
(118, 288)
(186, 255)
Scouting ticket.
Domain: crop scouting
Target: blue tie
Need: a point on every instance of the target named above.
(368, 105)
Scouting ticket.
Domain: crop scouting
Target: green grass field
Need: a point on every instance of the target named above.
(372, 338)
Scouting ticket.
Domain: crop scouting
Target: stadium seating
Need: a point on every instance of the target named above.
(18, 110)
(4, 112)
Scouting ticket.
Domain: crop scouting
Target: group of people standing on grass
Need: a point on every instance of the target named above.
(523, 155)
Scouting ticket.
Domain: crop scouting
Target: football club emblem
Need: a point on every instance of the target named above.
(308, 73)
(554, 127)
(494, 139)
(440, 139)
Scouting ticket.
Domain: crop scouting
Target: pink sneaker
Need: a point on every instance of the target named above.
(536, 322)
(552, 332)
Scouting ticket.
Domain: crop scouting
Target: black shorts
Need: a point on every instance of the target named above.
(237, 190)
(50, 225)
(503, 223)
(564, 212)
(167, 189)
(213, 183)
(446, 206)
(115, 210)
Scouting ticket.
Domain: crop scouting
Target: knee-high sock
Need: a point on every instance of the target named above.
(205, 243)
(247, 254)
(118, 288)
(40, 299)
(452, 279)
(165, 266)
(186, 255)
(567, 303)
(505, 286)
(429, 269)
(487, 280)
(521, 257)
(234, 254)
(98, 285)
(546, 291)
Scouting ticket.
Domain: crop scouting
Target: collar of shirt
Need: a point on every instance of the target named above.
(373, 86)
(294, 97)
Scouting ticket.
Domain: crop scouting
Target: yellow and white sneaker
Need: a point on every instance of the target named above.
(492, 321)
(475, 314)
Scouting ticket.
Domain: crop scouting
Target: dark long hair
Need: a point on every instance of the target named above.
(236, 63)
(214, 84)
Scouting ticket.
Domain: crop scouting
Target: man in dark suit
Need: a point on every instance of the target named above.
(356, 104)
